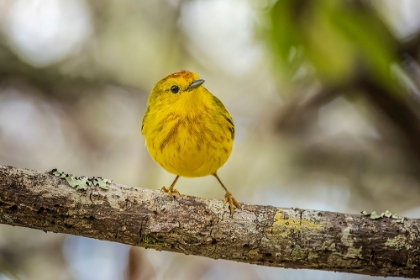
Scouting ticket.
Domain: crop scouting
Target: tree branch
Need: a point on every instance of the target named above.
(263, 235)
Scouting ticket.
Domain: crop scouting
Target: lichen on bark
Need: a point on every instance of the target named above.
(263, 235)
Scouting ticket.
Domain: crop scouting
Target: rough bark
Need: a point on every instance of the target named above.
(263, 235)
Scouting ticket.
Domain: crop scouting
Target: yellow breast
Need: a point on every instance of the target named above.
(190, 146)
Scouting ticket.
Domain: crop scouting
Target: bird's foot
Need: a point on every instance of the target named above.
(232, 202)
(170, 191)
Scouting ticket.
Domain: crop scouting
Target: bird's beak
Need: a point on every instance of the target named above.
(195, 84)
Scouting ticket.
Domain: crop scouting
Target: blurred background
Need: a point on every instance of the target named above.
(324, 94)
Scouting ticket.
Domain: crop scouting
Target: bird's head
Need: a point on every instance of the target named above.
(179, 85)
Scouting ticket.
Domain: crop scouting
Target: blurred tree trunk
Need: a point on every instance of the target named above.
(263, 235)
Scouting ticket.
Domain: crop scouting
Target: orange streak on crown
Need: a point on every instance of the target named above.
(187, 75)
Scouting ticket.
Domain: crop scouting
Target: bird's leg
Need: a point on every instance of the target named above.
(171, 190)
(228, 197)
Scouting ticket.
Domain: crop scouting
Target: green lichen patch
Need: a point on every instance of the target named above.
(398, 242)
(386, 214)
(347, 240)
(81, 182)
(375, 216)
(151, 240)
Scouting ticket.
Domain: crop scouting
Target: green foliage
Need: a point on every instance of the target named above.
(338, 38)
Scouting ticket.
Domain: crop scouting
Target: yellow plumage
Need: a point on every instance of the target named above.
(188, 130)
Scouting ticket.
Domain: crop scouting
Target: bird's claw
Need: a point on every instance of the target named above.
(170, 191)
(232, 202)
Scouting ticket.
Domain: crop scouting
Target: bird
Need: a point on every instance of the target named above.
(188, 130)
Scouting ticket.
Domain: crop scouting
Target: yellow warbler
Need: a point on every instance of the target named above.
(188, 130)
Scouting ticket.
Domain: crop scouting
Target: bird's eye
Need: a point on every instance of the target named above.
(174, 89)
